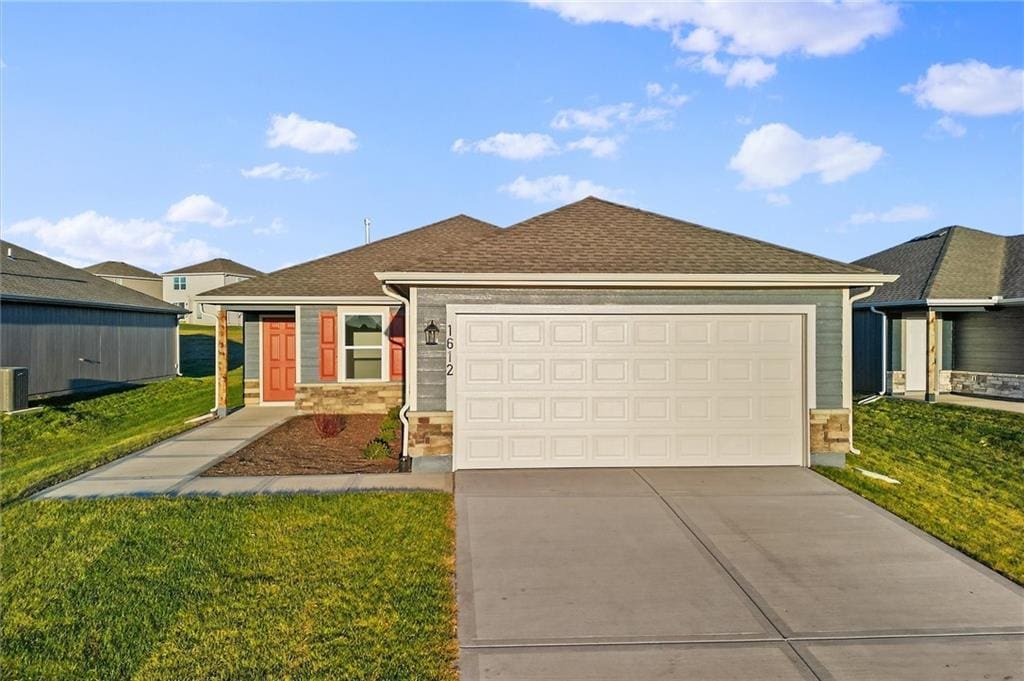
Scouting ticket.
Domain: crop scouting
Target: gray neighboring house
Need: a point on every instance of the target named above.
(77, 332)
(135, 278)
(593, 335)
(181, 286)
(953, 322)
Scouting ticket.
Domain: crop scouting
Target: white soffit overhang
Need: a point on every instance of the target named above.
(635, 280)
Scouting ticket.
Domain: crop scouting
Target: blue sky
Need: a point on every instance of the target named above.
(834, 129)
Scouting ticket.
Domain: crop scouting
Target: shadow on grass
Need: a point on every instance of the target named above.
(197, 354)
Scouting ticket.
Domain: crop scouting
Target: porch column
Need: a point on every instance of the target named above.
(932, 384)
(221, 378)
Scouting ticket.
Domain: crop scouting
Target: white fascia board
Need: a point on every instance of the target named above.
(635, 280)
(295, 300)
(937, 302)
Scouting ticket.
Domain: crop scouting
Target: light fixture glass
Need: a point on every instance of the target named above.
(431, 333)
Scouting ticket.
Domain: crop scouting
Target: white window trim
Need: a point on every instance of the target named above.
(385, 365)
(184, 282)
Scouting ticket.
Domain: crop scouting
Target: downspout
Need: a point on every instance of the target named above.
(403, 413)
(854, 299)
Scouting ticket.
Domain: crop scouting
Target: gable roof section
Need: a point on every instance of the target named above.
(952, 263)
(217, 266)
(351, 273)
(116, 268)
(30, 277)
(594, 236)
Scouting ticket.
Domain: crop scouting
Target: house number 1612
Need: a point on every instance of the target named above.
(449, 344)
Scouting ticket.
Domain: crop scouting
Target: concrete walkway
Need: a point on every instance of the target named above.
(744, 573)
(172, 467)
(970, 401)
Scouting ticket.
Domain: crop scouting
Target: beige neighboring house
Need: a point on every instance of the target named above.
(181, 286)
(130, 276)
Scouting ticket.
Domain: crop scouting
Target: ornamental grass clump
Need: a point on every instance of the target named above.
(328, 425)
(377, 449)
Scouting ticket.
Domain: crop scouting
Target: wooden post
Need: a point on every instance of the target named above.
(222, 363)
(932, 382)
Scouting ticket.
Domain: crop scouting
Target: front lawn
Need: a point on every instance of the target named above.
(355, 586)
(70, 435)
(961, 471)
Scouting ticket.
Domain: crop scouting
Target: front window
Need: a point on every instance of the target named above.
(179, 283)
(364, 347)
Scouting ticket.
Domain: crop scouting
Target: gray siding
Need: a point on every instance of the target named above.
(251, 342)
(430, 379)
(309, 352)
(70, 349)
(989, 341)
(947, 342)
(867, 352)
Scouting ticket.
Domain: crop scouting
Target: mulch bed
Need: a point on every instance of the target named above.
(295, 448)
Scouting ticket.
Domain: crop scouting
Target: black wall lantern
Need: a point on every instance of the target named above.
(431, 333)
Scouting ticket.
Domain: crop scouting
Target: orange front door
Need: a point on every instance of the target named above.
(278, 360)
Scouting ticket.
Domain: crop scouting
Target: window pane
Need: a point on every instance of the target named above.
(363, 329)
(363, 364)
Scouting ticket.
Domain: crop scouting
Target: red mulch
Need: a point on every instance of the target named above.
(295, 448)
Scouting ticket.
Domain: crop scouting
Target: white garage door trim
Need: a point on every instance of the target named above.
(807, 312)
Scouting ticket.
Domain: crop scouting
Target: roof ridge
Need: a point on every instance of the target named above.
(937, 264)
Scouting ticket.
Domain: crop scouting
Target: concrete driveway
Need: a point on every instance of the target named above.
(756, 573)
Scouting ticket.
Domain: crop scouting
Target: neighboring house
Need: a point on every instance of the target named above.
(593, 335)
(953, 322)
(181, 287)
(133, 277)
(75, 331)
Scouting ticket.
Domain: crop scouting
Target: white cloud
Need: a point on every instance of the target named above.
(607, 116)
(947, 125)
(314, 137)
(510, 145)
(556, 189)
(276, 226)
(744, 120)
(654, 89)
(903, 213)
(776, 199)
(818, 29)
(90, 237)
(200, 208)
(670, 97)
(971, 88)
(749, 72)
(599, 147)
(276, 171)
(775, 155)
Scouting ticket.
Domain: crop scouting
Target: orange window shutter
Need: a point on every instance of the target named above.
(328, 346)
(396, 338)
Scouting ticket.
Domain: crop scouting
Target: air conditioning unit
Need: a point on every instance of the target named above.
(13, 388)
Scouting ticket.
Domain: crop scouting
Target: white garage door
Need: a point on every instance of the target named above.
(567, 390)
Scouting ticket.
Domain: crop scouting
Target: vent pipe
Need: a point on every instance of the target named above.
(366, 224)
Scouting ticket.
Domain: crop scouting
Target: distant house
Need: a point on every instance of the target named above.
(131, 276)
(952, 322)
(75, 331)
(181, 286)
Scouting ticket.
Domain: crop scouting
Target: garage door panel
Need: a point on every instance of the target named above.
(611, 390)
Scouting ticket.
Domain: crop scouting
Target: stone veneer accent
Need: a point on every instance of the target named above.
(430, 433)
(896, 382)
(348, 398)
(988, 384)
(945, 381)
(251, 392)
(830, 431)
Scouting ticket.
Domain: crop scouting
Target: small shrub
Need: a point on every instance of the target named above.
(376, 449)
(328, 425)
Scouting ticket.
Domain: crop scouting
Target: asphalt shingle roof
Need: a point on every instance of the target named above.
(26, 275)
(351, 272)
(951, 263)
(598, 236)
(217, 266)
(116, 268)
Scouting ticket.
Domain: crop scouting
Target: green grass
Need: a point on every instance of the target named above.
(73, 434)
(961, 471)
(355, 586)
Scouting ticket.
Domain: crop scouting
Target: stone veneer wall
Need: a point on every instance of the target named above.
(348, 398)
(988, 384)
(945, 381)
(251, 392)
(830, 431)
(896, 382)
(430, 433)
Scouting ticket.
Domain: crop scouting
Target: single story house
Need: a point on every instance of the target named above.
(135, 278)
(181, 286)
(953, 322)
(75, 331)
(593, 335)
